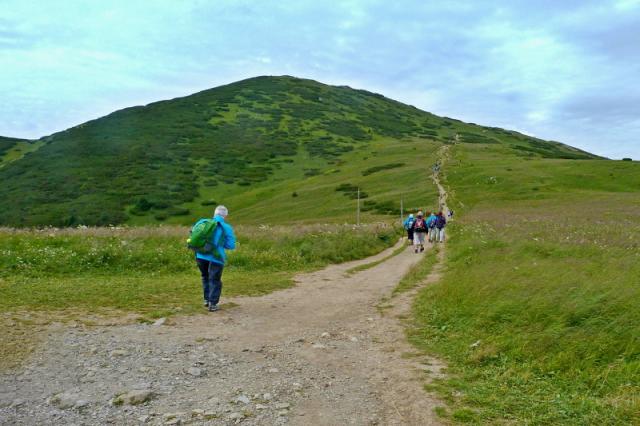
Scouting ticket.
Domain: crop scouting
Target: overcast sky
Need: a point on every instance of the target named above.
(563, 70)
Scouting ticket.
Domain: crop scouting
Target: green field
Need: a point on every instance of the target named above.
(538, 313)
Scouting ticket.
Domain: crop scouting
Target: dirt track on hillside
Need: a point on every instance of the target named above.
(329, 351)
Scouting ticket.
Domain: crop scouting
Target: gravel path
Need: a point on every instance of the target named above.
(328, 352)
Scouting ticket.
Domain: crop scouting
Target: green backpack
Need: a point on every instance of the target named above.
(200, 237)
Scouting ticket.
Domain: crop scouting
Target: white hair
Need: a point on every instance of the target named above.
(222, 211)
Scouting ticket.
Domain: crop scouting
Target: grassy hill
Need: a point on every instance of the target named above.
(538, 313)
(12, 149)
(263, 146)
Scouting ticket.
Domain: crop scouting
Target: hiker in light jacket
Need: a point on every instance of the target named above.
(211, 265)
(431, 224)
(408, 225)
(441, 222)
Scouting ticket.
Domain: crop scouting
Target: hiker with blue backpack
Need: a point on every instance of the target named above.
(408, 226)
(209, 239)
(440, 224)
(431, 224)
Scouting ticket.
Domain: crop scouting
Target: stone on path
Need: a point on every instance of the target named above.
(236, 416)
(133, 397)
(159, 321)
(195, 372)
(63, 401)
(243, 399)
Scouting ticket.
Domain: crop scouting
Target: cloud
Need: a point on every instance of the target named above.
(560, 70)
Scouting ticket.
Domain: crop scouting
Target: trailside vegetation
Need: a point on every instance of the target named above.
(538, 311)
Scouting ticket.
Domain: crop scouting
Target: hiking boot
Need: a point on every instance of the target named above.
(213, 308)
(416, 250)
(206, 303)
(421, 249)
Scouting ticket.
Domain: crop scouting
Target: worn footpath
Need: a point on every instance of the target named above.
(322, 352)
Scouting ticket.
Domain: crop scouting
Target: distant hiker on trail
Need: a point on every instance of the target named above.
(441, 222)
(419, 232)
(209, 239)
(431, 225)
(408, 225)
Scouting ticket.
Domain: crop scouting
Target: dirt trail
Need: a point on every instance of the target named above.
(330, 351)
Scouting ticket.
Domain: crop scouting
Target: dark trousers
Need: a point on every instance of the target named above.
(211, 273)
(410, 234)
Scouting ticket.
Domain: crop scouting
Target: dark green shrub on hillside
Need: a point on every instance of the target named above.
(143, 205)
(469, 137)
(346, 187)
(627, 159)
(387, 207)
(375, 169)
(380, 207)
(177, 211)
(368, 205)
(351, 191)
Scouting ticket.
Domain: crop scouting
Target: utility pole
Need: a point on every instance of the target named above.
(358, 214)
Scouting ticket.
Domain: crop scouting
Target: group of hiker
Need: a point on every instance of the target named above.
(422, 227)
(210, 237)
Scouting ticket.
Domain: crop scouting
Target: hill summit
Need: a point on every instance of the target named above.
(166, 160)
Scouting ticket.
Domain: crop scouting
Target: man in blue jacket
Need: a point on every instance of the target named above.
(211, 266)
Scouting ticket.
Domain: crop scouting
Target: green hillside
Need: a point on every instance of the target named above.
(12, 149)
(274, 149)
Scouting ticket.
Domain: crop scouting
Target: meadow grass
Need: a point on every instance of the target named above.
(144, 269)
(538, 312)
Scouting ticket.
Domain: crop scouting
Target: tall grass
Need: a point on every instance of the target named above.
(538, 313)
(150, 268)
